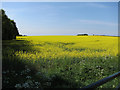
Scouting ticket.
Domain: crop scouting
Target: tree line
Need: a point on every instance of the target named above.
(9, 29)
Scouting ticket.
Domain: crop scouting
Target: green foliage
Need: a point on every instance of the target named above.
(9, 29)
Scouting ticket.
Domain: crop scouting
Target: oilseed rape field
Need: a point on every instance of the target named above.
(59, 61)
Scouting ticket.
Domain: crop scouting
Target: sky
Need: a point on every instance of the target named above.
(64, 18)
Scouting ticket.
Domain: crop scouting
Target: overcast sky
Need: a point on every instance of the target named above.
(64, 18)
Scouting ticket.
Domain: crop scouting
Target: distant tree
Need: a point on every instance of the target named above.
(82, 34)
(9, 29)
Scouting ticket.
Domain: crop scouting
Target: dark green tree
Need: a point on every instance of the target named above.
(9, 29)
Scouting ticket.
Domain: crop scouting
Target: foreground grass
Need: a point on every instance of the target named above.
(59, 61)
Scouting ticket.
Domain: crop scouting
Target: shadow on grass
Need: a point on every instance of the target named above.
(14, 69)
(20, 74)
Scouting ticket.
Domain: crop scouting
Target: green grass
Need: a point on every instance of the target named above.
(59, 61)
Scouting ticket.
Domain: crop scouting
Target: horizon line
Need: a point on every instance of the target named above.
(73, 35)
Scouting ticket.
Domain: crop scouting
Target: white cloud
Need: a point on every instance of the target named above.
(98, 5)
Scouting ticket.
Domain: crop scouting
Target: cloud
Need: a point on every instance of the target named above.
(98, 22)
(97, 5)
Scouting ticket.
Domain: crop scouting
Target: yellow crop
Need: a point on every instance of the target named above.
(52, 47)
